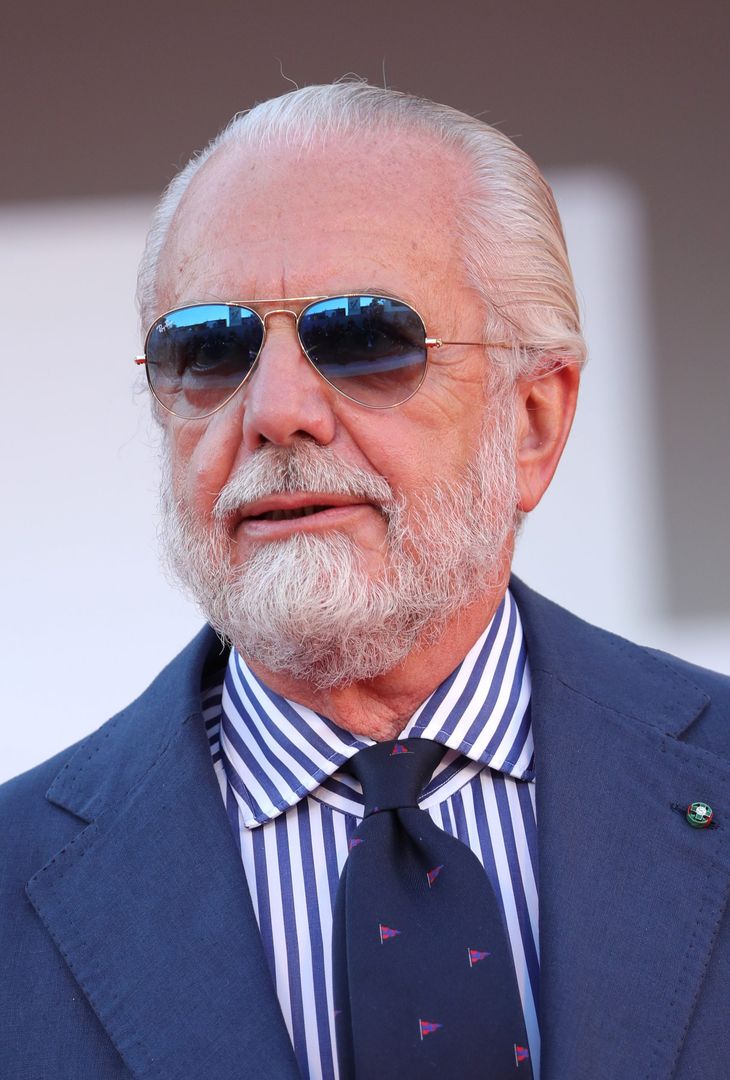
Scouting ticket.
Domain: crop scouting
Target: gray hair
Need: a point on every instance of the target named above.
(510, 231)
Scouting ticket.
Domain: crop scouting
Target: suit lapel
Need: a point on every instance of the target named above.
(149, 904)
(630, 894)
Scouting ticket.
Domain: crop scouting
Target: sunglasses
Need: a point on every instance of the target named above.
(371, 349)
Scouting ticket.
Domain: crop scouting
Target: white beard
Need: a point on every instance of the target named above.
(307, 606)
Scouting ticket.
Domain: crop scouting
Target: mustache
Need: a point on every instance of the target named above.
(301, 467)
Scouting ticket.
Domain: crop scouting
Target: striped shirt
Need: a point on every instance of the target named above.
(293, 810)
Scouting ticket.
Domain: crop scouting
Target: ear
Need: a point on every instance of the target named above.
(545, 409)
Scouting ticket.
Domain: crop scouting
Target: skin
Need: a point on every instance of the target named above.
(350, 216)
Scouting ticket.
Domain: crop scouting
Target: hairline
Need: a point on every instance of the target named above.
(484, 241)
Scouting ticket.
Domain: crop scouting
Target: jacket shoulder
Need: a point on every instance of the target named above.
(716, 682)
(681, 699)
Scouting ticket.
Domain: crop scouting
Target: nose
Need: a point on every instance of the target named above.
(285, 398)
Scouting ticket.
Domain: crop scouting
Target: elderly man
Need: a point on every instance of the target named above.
(364, 351)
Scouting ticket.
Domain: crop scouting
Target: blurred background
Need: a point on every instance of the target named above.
(624, 106)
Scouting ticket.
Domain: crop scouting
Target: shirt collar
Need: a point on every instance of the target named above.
(276, 752)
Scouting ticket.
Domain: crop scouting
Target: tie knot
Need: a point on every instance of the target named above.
(393, 774)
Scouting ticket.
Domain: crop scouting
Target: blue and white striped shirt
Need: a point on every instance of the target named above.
(292, 812)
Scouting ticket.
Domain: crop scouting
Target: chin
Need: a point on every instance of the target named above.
(311, 608)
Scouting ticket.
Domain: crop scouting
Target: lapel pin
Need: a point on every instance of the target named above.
(699, 815)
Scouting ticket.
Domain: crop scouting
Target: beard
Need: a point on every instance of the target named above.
(307, 606)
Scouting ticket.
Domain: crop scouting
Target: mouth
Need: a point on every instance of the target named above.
(288, 515)
(277, 512)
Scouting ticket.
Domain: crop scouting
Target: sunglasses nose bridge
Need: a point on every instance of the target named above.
(277, 311)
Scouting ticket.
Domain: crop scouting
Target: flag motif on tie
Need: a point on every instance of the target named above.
(386, 932)
(427, 1027)
(433, 874)
(475, 955)
(399, 748)
(521, 1054)
(354, 842)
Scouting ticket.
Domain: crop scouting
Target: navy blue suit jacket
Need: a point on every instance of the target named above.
(128, 941)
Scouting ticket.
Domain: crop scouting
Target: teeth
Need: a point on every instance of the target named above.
(285, 515)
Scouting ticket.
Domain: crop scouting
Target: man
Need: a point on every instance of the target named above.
(364, 351)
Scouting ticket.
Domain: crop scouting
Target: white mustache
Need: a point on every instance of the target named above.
(302, 467)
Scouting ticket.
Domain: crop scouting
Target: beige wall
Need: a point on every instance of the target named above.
(106, 101)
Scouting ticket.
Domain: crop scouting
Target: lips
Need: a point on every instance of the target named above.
(277, 510)
(286, 515)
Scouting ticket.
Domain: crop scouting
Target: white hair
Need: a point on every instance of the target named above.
(511, 236)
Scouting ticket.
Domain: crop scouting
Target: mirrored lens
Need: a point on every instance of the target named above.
(371, 348)
(198, 356)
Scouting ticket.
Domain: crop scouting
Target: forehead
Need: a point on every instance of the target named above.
(374, 211)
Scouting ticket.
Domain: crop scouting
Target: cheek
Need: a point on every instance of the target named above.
(203, 457)
(412, 465)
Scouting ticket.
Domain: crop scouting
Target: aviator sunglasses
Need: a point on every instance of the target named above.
(372, 349)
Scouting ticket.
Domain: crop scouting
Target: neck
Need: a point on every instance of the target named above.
(380, 708)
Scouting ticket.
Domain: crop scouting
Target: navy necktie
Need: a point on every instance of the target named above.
(424, 981)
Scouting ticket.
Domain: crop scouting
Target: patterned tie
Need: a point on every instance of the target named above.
(423, 976)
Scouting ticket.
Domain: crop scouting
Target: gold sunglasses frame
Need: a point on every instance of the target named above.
(306, 301)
